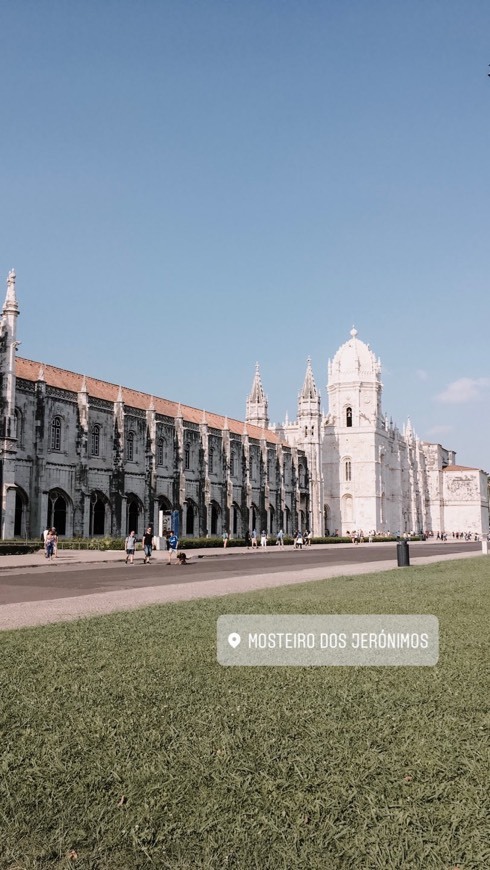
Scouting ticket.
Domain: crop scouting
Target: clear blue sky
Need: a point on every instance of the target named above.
(187, 188)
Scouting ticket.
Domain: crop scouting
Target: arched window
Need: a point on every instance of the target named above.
(211, 461)
(134, 513)
(348, 470)
(95, 445)
(57, 512)
(348, 417)
(56, 433)
(187, 456)
(19, 428)
(130, 448)
(189, 519)
(160, 451)
(232, 464)
(215, 514)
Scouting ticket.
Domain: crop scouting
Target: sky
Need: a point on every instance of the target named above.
(188, 188)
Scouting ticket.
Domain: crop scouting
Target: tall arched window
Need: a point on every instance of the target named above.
(19, 428)
(232, 464)
(211, 461)
(130, 447)
(187, 456)
(348, 470)
(348, 417)
(95, 445)
(160, 451)
(56, 433)
(189, 519)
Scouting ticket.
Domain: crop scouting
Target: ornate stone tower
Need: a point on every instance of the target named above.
(309, 437)
(257, 412)
(8, 430)
(351, 460)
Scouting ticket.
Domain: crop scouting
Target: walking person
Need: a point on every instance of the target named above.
(254, 539)
(55, 542)
(247, 539)
(50, 539)
(173, 543)
(148, 545)
(280, 538)
(263, 538)
(225, 539)
(130, 546)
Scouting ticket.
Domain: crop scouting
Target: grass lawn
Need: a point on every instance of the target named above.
(125, 745)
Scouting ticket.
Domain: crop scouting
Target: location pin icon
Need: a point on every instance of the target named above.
(234, 639)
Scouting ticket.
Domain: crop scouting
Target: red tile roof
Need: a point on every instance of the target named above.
(72, 382)
(459, 468)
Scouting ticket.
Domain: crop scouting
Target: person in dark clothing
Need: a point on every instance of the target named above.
(148, 545)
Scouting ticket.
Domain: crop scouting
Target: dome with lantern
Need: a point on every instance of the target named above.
(354, 361)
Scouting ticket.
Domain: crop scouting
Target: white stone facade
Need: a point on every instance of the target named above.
(92, 458)
(367, 475)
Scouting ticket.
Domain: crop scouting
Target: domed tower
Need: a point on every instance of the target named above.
(354, 385)
(353, 434)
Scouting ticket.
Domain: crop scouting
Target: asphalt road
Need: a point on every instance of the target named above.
(55, 580)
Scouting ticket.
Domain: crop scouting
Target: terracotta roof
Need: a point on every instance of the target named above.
(72, 382)
(459, 468)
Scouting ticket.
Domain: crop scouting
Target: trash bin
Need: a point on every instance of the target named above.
(402, 554)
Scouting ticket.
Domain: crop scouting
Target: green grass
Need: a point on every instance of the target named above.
(124, 740)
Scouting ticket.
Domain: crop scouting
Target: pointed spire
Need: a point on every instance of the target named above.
(179, 410)
(40, 375)
(11, 299)
(151, 406)
(204, 420)
(257, 393)
(119, 395)
(257, 411)
(309, 390)
(83, 388)
(225, 424)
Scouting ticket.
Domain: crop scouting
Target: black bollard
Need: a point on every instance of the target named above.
(402, 554)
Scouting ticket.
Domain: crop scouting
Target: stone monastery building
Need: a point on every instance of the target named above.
(94, 458)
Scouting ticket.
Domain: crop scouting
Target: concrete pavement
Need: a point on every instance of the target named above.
(23, 614)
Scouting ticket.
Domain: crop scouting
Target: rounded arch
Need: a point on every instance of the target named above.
(190, 514)
(95, 434)
(347, 510)
(20, 518)
(236, 521)
(254, 516)
(134, 512)
(271, 519)
(215, 511)
(346, 465)
(19, 427)
(348, 416)
(60, 511)
(326, 519)
(56, 427)
(100, 514)
(130, 440)
(164, 515)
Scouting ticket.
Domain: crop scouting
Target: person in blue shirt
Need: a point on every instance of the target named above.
(173, 543)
